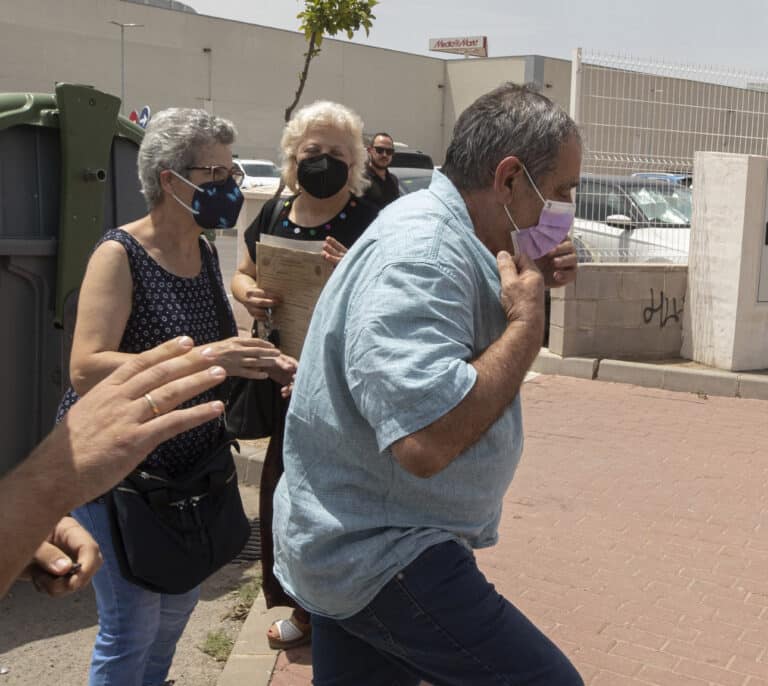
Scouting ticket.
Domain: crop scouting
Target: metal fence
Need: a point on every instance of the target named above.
(642, 121)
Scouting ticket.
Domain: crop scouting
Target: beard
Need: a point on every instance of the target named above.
(378, 165)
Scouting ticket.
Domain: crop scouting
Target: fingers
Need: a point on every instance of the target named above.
(258, 313)
(563, 248)
(507, 266)
(150, 434)
(172, 394)
(262, 298)
(525, 264)
(67, 562)
(158, 354)
(287, 363)
(187, 368)
(333, 251)
(52, 560)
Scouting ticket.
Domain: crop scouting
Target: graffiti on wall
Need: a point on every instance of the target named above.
(665, 310)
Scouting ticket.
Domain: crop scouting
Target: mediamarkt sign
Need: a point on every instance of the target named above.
(465, 45)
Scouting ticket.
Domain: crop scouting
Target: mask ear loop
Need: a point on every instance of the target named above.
(535, 187)
(179, 200)
(513, 234)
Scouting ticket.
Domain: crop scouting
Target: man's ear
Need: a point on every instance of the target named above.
(508, 173)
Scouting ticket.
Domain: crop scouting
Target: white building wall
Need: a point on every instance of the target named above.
(254, 69)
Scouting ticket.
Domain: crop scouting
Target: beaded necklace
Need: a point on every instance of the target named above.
(313, 231)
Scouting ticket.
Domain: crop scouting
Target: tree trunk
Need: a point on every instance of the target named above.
(302, 79)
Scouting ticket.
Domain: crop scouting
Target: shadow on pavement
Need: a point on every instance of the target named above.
(27, 616)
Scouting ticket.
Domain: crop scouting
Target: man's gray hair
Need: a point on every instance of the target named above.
(173, 139)
(511, 120)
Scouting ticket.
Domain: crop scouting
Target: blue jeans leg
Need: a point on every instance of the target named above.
(440, 619)
(138, 629)
(340, 658)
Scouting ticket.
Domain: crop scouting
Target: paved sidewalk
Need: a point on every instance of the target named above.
(636, 535)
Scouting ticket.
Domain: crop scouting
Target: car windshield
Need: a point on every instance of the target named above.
(258, 169)
(663, 203)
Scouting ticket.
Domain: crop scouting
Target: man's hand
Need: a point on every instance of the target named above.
(522, 291)
(333, 251)
(258, 301)
(122, 419)
(69, 547)
(112, 428)
(559, 266)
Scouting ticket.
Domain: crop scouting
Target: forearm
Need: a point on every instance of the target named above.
(501, 370)
(35, 496)
(86, 373)
(241, 284)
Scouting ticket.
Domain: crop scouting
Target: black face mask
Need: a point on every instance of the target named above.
(322, 176)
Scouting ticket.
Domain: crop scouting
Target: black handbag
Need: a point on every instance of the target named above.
(255, 404)
(171, 534)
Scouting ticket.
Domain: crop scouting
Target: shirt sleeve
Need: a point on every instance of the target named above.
(252, 234)
(409, 347)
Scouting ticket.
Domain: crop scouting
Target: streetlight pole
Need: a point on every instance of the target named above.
(123, 27)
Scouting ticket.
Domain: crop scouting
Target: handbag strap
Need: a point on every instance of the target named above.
(222, 391)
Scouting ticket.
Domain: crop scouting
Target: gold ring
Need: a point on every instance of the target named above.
(152, 404)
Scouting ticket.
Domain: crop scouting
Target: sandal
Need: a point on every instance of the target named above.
(291, 634)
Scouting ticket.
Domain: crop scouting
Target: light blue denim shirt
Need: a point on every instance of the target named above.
(388, 352)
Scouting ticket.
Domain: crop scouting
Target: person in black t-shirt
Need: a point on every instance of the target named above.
(384, 187)
(323, 164)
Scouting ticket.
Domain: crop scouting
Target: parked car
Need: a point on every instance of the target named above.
(680, 178)
(631, 219)
(258, 172)
(412, 178)
(411, 158)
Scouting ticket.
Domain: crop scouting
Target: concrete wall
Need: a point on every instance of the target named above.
(727, 327)
(253, 69)
(468, 79)
(620, 311)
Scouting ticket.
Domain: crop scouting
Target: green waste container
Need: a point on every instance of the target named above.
(67, 174)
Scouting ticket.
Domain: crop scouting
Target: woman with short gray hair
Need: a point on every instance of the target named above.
(147, 282)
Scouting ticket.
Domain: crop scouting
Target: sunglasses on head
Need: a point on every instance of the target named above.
(384, 151)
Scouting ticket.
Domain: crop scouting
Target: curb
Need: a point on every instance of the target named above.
(252, 661)
(673, 376)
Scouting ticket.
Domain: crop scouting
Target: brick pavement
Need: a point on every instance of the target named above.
(635, 534)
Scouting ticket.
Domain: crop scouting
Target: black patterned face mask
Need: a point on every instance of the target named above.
(322, 176)
(214, 206)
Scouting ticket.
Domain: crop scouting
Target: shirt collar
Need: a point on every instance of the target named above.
(444, 190)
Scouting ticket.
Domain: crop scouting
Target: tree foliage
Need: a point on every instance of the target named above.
(329, 18)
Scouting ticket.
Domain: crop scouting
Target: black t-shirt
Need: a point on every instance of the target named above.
(381, 192)
(346, 227)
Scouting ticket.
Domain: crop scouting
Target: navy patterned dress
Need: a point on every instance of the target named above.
(165, 306)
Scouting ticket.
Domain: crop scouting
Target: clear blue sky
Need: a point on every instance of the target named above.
(732, 33)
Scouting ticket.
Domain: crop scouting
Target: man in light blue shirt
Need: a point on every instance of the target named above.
(404, 429)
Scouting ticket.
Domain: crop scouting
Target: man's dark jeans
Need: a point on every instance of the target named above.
(441, 621)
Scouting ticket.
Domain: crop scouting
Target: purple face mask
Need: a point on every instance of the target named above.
(555, 221)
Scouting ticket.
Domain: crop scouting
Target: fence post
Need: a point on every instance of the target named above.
(576, 86)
